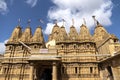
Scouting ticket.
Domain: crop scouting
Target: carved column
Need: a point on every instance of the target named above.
(54, 71)
(31, 71)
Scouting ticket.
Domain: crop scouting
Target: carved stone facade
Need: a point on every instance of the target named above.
(66, 56)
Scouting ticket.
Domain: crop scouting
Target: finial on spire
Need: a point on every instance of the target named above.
(98, 23)
(55, 21)
(29, 21)
(19, 22)
(95, 21)
(72, 21)
(41, 21)
(84, 21)
(63, 21)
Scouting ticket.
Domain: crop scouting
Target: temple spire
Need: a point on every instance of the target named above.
(27, 34)
(84, 33)
(62, 36)
(38, 35)
(16, 34)
(73, 35)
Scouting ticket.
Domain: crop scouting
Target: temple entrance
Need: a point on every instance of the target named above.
(47, 70)
(44, 73)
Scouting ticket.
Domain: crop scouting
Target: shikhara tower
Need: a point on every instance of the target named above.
(66, 56)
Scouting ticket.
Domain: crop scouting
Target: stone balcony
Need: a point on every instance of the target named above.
(44, 54)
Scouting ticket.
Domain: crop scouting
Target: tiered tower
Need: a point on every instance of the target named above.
(15, 65)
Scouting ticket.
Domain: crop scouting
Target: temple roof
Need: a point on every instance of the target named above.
(16, 34)
(100, 33)
(38, 36)
(55, 28)
(62, 36)
(55, 32)
(84, 33)
(27, 34)
(73, 35)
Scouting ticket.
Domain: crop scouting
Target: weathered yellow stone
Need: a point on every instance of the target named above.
(66, 56)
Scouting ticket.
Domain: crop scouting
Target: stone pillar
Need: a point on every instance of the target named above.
(1, 72)
(115, 73)
(54, 71)
(31, 71)
(101, 74)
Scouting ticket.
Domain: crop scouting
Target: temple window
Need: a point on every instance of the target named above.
(91, 69)
(10, 47)
(35, 46)
(63, 70)
(74, 46)
(22, 47)
(5, 70)
(62, 46)
(88, 46)
(115, 41)
(75, 69)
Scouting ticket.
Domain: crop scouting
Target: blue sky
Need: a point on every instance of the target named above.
(107, 12)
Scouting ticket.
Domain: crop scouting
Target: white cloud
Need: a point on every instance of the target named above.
(3, 7)
(2, 46)
(32, 3)
(79, 9)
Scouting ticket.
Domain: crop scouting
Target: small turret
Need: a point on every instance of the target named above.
(17, 32)
(73, 35)
(84, 34)
(62, 36)
(55, 32)
(100, 32)
(38, 36)
(55, 29)
(27, 34)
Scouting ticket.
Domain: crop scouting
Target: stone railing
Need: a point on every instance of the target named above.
(44, 54)
(15, 75)
(81, 75)
(14, 60)
(93, 59)
(77, 51)
(45, 51)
